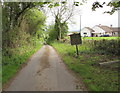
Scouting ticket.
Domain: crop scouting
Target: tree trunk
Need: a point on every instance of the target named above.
(60, 32)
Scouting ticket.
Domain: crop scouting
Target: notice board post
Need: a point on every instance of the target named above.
(75, 39)
(77, 50)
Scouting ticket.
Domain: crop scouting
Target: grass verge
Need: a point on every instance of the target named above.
(96, 78)
(12, 64)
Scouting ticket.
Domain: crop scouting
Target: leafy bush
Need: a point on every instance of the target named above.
(21, 41)
(11, 64)
(107, 46)
(54, 32)
(104, 46)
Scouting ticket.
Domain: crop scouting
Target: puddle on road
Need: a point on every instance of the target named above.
(44, 61)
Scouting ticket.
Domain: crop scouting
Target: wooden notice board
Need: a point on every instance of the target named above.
(75, 39)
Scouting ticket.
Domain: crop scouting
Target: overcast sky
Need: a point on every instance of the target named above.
(91, 18)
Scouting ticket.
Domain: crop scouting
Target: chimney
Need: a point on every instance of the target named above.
(111, 26)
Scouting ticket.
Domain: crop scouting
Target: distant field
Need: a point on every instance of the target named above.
(98, 38)
(95, 38)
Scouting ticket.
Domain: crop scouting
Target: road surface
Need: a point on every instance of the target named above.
(45, 71)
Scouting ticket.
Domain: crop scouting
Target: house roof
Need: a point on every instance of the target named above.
(90, 29)
(70, 33)
(115, 29)
(74, 34)
(105, 28)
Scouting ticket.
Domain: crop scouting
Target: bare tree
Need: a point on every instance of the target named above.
(62, 12)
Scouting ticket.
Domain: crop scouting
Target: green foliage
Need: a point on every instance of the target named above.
(11, 12)
(60, 28)
(23, 28)
(114, 4)
(20, 23)
(13, 39)
(35, 19)
(57, 27)
(108, 46)
(64, 30)
(99, 38)
(103, 46)
(13, 63)
(97, 5)
(96, 78)
(76, 3)
(31, 25)
(54, 32)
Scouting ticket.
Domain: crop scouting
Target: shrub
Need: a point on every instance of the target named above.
(104, 46)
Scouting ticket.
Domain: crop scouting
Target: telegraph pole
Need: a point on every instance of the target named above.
(80, 29)
(80, 23)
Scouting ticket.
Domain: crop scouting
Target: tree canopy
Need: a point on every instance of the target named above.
(22, 24)
(115, 5)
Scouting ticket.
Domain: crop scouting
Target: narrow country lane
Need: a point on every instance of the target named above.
(45, 72)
